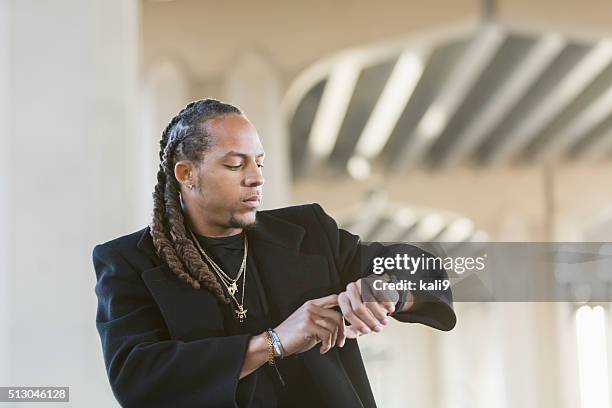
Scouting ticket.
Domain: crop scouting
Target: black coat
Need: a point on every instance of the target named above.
(164, 342)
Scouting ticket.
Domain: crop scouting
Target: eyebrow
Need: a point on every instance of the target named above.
(243, 155)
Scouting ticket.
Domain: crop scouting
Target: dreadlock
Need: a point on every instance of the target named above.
(185, 138)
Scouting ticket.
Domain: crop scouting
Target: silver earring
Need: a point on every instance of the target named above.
(191, 186)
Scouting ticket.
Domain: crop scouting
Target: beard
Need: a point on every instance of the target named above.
(236, 223)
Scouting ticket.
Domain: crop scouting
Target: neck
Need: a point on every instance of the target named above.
(213, 231)
(201, 225)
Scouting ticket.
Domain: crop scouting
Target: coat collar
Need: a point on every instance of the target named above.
(269, 228)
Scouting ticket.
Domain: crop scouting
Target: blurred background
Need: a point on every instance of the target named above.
(446, 120)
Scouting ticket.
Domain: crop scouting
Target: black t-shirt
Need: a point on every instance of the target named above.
(289, 383)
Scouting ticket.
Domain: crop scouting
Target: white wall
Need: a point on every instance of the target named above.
(255, 85)
(5, 294)
(72, 66)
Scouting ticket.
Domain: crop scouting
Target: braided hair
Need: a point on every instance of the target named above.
(185, 138)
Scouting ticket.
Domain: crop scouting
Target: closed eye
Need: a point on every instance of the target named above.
(240, 165)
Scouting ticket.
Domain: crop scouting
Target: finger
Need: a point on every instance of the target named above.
(341, 337)
(360, 309)
(325, 336)
(389, 307)
(379, 303)
(332, 321)
(379, 311)
(330, 326)
(351, 333)
(348, 313)
(338, 321)
(327, 323)
(336, 329)
(328, 318)
(328, 344)
(327, 301)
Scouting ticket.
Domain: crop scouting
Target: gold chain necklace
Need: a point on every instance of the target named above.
(229, 283)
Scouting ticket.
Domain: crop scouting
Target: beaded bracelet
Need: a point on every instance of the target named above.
(270, 348)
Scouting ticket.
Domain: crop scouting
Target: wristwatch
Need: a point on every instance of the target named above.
(403, 295)
(276, 344)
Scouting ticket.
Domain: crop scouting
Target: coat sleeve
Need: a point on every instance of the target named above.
(145, 367)
(353, 259)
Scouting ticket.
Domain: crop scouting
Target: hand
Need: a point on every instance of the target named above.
(313, 322)
(368, 316)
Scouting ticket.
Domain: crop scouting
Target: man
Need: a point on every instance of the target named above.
(218, 304)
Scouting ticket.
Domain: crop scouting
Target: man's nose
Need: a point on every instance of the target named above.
(255, 177)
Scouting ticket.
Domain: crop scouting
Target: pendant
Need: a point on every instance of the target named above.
(233, 288)
(241, 313)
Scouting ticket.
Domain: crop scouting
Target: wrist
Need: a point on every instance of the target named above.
(258, 347)
(407, 304)
(256, 355)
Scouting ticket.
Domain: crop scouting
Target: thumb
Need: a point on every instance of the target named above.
(327, 301)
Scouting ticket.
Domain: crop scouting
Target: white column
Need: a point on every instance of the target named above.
(5, 227)
(471, 359)
(253, 83)
(68, 180)
(401, 363)
(518, 325)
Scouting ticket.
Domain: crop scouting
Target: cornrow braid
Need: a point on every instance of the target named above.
(185, 138)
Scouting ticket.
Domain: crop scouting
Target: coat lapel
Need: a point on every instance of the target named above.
(292, 277)
(190, 314)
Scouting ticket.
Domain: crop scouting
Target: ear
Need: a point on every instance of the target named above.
(184, 171)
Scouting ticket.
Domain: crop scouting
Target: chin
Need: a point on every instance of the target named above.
(247, 221)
